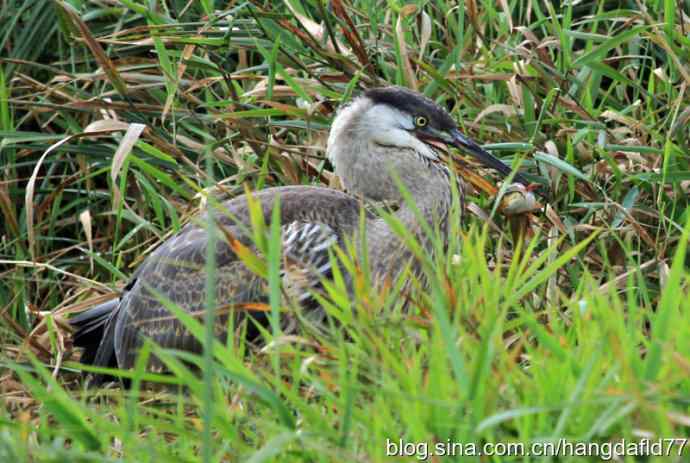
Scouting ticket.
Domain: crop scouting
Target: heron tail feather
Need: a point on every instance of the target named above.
(94, 333)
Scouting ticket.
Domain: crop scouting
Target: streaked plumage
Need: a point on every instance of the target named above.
(385, 131)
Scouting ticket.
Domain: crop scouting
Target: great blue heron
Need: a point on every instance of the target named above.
(382, 139)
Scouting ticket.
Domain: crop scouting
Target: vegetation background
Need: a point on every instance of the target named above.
(117, 118)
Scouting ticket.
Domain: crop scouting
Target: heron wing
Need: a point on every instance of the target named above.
(179, 277)
(314, 218)
(306, 258)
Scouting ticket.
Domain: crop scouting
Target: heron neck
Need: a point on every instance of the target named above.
(431, 196)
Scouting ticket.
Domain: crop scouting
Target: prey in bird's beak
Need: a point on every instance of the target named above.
(455, 138)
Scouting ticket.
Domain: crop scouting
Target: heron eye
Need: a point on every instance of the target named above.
(421, 121)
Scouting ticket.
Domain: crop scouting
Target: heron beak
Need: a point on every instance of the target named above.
(468, 145)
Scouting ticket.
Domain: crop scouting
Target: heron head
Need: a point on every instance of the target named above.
(404, 121)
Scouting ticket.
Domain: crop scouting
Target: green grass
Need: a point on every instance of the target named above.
(581, 333)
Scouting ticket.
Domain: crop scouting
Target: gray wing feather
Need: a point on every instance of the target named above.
(315, 219)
